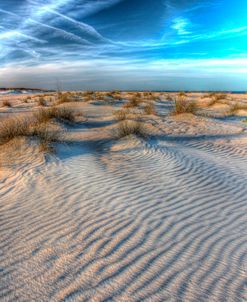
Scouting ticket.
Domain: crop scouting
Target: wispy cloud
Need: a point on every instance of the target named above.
(181, 26)
(41, 32)
(99, 74)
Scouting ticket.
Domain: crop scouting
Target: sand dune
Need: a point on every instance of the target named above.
(161, 219)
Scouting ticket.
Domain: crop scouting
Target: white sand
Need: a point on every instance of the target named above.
(130, 220)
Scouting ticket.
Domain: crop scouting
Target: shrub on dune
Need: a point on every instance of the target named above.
(121, 114)
(59, 113)
(183, 105)
(45, 136)
(126, 128)
(169, 98)
(133, 102)
(11, 128)
(236, 107)
(90, 95)
(64, 98)
(149, 109)
(216, 97)
(41, 101)
(7, 103)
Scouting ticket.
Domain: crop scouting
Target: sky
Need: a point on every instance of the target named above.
(124, 44)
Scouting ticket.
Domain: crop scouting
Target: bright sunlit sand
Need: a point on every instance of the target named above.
(127, 199)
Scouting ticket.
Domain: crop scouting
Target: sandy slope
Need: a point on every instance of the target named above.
(130, 220)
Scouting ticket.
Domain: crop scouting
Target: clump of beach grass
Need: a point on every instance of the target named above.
(149, 108)
(64, 98)
(169, 98)
(121, 114)
(41, 102)
(13, 127)
(60, 113)
(134, 101)
(89, 96)
(183, 105)
(127, 128)
(216, 97)
(45, 136)
(7, 103)
(236, 107)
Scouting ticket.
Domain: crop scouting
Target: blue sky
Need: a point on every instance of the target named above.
(124, 44)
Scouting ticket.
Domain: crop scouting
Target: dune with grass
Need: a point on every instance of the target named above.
(123, 196)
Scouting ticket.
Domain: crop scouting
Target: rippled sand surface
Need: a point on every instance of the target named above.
(157, 220)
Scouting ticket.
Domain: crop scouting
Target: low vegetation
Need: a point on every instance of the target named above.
(149, 108)
(65, 97)
(7, 104)
(13, 127)
(169, 98)
(126, 128)
(184, 105)
(134, 101)
(41, 101)
(121, 114)
(236, 107)
(216, 97)
(60, 113)
(36, 126)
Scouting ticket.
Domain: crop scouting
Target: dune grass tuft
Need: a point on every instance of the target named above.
(121, 114)
(126, 128)
(13, 127)
(45, 136)
(60, 113)
(134, 101)
(64, 98)
(237, 106)
(41, 102)
(216, 97)
(183, 105)
(149, 109)
(169, 98)
(7, 103)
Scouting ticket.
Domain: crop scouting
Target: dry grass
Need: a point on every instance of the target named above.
(41, 101)
(169, 98)
(89, 96)
(216, 97)
(27, 99)
(109, 98)
(13, 127)
(64, 98)
(121, 114)
(116, 95)
(183, 105)
(45, 136)
(7, 103)
(126, 128)
(149, 109)
(134, 101)
(59, 113)
(236, 107)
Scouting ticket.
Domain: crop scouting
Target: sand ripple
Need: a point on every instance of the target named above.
(147, 221)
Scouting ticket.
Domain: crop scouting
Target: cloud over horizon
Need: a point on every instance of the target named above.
(124, 44)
